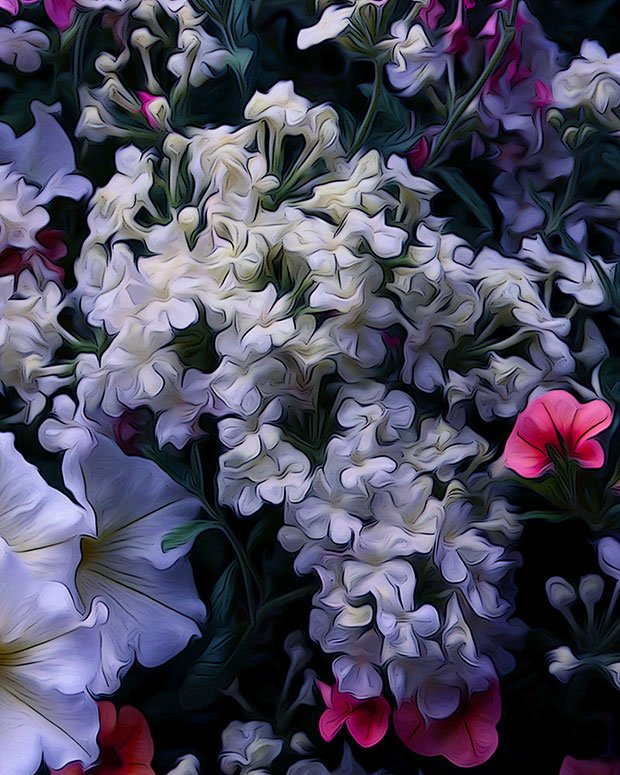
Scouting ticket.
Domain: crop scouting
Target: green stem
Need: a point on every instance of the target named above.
(364, 127)
(508, 32)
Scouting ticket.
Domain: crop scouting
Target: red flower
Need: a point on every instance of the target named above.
(466, 738)
(418, 155)
(556, 423)
(572, 766)
(366, 720)
(126, 745)
(49, 251)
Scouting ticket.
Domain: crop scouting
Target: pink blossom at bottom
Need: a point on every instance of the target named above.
(467, 738)
(366, 720)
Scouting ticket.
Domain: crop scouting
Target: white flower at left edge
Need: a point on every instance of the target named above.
(48, 654)
(39, 524)
(153, 604)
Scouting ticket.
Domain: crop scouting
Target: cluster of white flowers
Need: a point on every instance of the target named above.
(30, 297)
(412, 570)
(327, 273)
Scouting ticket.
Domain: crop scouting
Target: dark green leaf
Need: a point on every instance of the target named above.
(224, 595)
(185, 534)
(467, 195)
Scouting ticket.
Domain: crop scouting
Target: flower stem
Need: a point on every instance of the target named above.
(364, 127)
(508, 32)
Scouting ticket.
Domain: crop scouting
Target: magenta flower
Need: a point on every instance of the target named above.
(572, 766)
(556, 425)
(366, 720)
(418, 155)
(466, 738)
(431, 14)
(50, 250)
(146, 99)
(60, 11)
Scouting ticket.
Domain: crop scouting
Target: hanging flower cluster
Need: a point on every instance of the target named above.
(296, 367)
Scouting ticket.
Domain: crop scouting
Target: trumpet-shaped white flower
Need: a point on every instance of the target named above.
(40, 525)
(48, 655)
(154, 608)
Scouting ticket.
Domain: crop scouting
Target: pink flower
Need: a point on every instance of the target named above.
(431, 14)
(572, 766)
(466, 738)
(49, 251)
(418, 155)
(59, 11)
(556, 423)
(146, 99)
(544, 94)
(366, 720)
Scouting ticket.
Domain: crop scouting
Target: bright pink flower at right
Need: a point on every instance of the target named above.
(366, 720)
(572, 766)
(557, 425)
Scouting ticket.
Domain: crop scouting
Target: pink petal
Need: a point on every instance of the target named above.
(330, 724)
(10, 6)
(145, 100)
(592, 418)
(368, 723)
(468, 738)
(326, 692)
(572, 766)
(526, 457)
(590, 454)
(60, 12)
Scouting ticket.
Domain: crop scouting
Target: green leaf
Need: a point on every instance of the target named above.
(263, 533)
(467, 195)
(225, 594)
(548, 516)
(186, 534)
(610, 379)
(214, 670)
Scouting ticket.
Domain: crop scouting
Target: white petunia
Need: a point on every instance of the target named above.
(48, 655)
(40, 525)
(154, 608)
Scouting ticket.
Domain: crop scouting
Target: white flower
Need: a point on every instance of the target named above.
(592, 80)
(186, 765)
(200, 56)
(40, 525)
(249, 748)
(44, 156)
(333, 21)
(415, 61)
(151, 596)
(563, 663)
(29, 336)
(21, 44)
(48, 655)
(260, 466)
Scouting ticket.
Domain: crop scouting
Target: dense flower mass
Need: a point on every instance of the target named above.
(309, 376)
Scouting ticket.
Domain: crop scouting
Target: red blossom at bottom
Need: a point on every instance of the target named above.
(467, 738)
(572, 766)
(126, 745)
